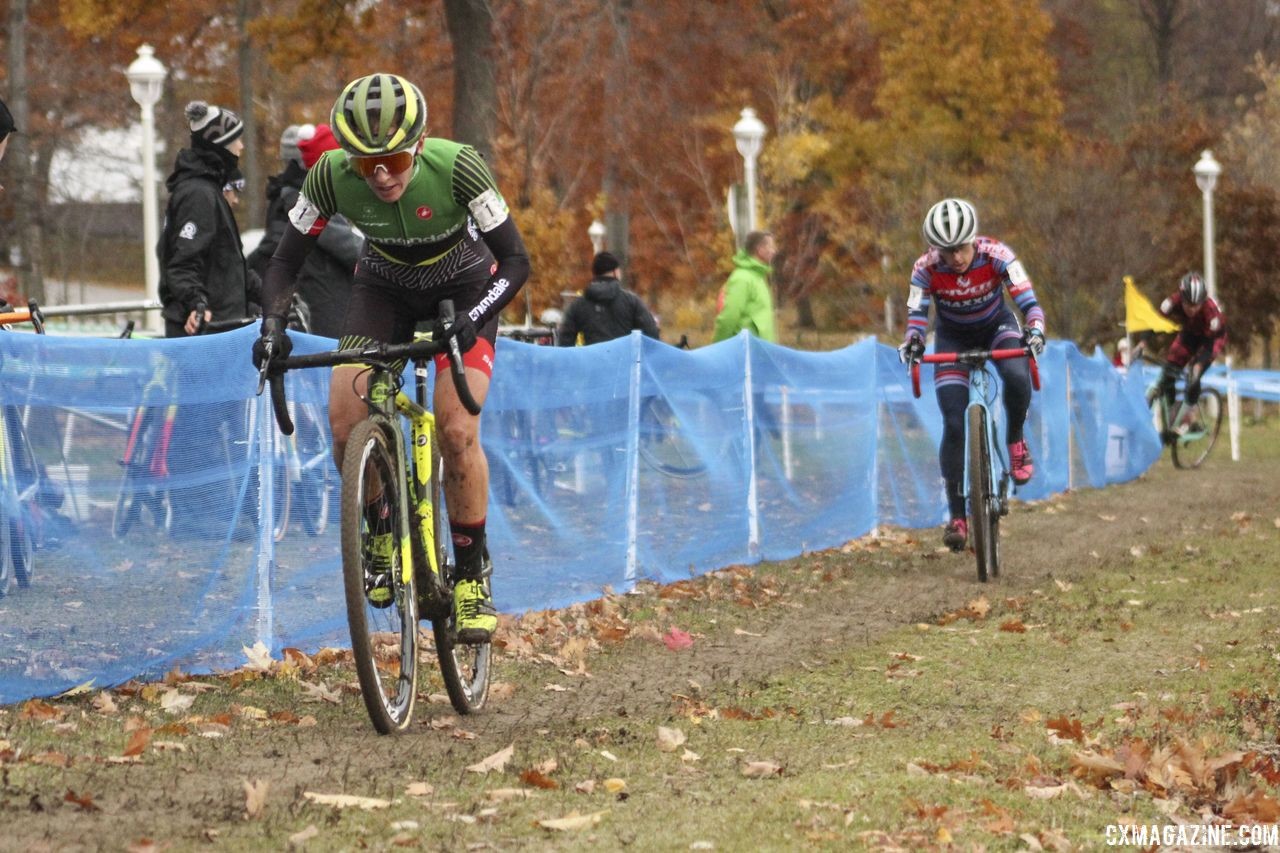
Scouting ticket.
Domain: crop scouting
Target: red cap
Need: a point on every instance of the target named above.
(320, 141)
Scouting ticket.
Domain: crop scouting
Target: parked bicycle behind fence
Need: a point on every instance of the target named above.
(20, 477)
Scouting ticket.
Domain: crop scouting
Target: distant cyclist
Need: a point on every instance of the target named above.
(965, 275)
(1202, 336)
(437, 228)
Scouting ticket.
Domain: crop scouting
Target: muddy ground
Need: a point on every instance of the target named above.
(896, 586)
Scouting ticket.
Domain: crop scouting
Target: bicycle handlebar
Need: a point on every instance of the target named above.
(975, 358)
(31, 314)
(376, 353)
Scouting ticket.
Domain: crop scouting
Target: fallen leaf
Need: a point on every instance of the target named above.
(497, 761)
(137, 742)
(419, 789)
(298, 839)
(320, 692)
(175, 702)
(78, 690)
(85, 802)
(614, 785)
(535, 779)
(761, 769)
(586, 786)
(669, 740)
(259, 657)
(104, 704)
(501, 795)
(255, 797)
(343, 801)
(675, 639)
(501, 690)
(572, 821)
(1013, 626)
(690, 755)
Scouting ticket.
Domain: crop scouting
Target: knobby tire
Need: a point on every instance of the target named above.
(383, 640)
(984, 523)
(465, 668)
(1190, 452)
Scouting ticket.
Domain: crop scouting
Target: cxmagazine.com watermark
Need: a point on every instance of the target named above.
(1192, 835)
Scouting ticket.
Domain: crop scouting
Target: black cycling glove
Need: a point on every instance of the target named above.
(274, 339)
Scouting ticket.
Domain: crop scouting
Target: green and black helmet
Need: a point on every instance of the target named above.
(378, 114)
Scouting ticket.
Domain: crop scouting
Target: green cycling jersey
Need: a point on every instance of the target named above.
(450, 185)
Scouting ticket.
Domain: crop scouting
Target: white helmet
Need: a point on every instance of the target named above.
(950, 223)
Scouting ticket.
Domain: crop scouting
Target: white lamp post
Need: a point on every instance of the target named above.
(597, 232)
(748, 133)
(1207, 171)
(146, 80)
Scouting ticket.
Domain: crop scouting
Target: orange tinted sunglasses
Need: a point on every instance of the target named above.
(395, 163)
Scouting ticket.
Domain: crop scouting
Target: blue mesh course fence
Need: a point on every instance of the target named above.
(142, 473)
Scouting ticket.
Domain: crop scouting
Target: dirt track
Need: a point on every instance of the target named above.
(907, 582)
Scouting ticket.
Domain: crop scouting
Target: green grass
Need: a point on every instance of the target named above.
(972, 726)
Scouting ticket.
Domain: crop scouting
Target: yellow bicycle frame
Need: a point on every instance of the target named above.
(422, 424)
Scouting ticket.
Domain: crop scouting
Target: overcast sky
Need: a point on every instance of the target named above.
(105, 166)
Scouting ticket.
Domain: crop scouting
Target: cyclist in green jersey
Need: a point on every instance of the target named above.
(437, 228)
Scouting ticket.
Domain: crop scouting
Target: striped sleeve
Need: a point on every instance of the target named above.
(317, 201)
(918, 298)
(474, 188)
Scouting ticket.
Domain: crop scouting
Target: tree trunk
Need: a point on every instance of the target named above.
(250, 213)
(26, 211)
(617, 218)
(475, 90)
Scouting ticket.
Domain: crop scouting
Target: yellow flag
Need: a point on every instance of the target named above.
(1140, 314)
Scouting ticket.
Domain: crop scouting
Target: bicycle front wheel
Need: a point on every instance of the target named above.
(382, 604)
(984, 517)
(465, 668)
(1192, 447)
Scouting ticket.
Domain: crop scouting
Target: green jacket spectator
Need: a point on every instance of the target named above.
(745, 301)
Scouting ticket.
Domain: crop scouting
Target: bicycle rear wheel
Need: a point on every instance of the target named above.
(382, 605)
(984, 516)
(465, 668)
(1192, 447)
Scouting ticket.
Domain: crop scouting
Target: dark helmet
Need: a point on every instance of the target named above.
(1192, 289)
(378, 114)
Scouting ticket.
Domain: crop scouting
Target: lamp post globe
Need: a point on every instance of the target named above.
(1207, 171)
(146, 82)
(596, 232)
(748, 135)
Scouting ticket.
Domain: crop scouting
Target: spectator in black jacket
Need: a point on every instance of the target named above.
(324, 283)
(605, 310)
(201, 261)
